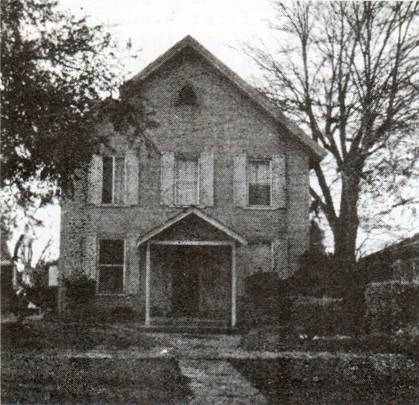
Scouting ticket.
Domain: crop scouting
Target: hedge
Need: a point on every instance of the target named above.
(317, 316)
(392, 306)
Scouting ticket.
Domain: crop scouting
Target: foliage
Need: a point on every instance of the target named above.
(322, 316)
(392, 306)
(55, 70)
(43, 297)
(347, 72)
(79, 288)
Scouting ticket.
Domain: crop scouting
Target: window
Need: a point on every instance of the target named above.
(113, 183)
(186, 96)
(111, 266)
(259, 182)
(186, 190)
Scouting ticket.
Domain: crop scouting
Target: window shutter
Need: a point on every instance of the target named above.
(89, 254)
(206, 179)
(94, 193)
(132, 177)
(278, 181)
(167, 178)
(239, 181)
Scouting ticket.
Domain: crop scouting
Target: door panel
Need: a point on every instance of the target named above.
(185, 288)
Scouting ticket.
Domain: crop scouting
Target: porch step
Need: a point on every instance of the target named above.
(190, 324)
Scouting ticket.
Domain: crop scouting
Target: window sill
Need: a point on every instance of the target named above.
(261, 208)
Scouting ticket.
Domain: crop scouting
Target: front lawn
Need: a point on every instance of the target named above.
(276, 339)
(53, 380)
(329, 381)
(35, 336)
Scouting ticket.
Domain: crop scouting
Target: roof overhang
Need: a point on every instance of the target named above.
(200, 214)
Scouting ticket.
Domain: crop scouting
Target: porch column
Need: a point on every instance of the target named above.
(233, 285)
(147, 284)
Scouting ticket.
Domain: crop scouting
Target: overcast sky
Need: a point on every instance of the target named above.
(155, 25)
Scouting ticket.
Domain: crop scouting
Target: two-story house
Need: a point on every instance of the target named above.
(173, 231)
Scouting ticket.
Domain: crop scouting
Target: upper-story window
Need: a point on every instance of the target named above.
(113, 180)
(186, 96)
(187, 182)
(259, 182)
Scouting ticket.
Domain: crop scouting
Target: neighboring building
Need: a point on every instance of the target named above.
(399, 261)
(173, 231)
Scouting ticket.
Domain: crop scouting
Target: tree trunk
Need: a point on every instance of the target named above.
(346, 228)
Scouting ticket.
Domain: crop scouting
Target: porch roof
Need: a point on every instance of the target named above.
(200, 214)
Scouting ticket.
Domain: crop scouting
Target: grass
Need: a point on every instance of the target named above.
(50, 380)
(37, 336)
(283, 381)
(277, 339)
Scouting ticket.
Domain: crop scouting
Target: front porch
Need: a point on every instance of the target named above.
(190, 272)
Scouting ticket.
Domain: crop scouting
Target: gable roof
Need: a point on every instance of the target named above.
(273, 111)
(200, 214)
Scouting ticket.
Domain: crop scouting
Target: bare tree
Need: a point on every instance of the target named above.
(347, 72)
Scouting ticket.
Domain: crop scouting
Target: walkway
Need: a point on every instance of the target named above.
(216, 382)
(212, 380)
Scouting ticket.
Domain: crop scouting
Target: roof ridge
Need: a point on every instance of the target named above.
(245, 87)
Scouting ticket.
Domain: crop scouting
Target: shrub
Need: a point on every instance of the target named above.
(317, 316)
(317, 276)
(262, 286)
(262, 302)
(392, 306)
(80, 288)
(43, 297)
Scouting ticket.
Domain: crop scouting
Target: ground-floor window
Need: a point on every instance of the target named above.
(111, 266)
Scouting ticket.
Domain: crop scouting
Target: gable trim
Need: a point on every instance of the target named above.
(216, 224)
(317, 151)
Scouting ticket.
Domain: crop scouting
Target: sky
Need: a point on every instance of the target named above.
(222, 26)
(154, 26)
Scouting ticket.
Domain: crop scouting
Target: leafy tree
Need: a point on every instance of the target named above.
(55, 68)
(347, 72)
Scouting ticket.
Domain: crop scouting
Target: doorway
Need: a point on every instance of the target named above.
(186, 282)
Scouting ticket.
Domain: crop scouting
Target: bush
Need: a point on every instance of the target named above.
(317, 316)
(80, 288)
(80, 291)
(392, 306)
(263, 302)
(317, 276)
(43, 297)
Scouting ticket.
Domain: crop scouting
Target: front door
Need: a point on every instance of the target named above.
(185, 287)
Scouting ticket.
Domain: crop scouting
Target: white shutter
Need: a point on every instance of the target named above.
(132, 177)
(94, 192)
(167, 178)
(278, 181)
(239, 181)
(132, 272)
(90, 255)
(206, 179)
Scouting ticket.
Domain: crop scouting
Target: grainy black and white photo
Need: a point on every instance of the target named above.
(209, 202)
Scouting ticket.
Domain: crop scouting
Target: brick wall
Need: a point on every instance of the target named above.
(225, 122)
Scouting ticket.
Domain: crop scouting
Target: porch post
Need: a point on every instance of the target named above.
(233, 285)
(147, 284)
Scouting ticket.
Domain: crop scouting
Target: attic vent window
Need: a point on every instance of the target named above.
(186, 96)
